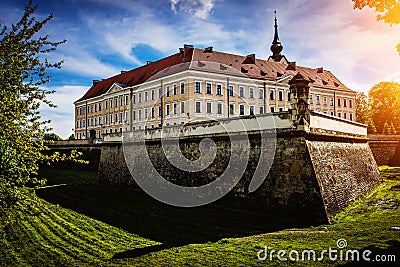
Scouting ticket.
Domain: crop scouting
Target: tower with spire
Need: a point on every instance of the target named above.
(276, 47)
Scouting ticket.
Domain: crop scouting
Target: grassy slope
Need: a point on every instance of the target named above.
(87, 224)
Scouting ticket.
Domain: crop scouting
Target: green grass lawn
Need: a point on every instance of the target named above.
(81, 223)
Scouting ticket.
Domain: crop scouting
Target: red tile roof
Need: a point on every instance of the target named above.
(218, 62)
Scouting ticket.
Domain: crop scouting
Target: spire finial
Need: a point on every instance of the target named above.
(276, 46)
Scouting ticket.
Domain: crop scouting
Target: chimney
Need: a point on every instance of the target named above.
(320, 70)
(123, 71)
(148, 62)
(186, 49)
(208, 49)
(95, 82)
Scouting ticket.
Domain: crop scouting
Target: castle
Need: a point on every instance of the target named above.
(200, 84)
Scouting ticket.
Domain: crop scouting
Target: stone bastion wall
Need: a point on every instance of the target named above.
(317, 170)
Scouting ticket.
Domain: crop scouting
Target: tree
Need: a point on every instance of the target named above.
(384, 101)
(386, 129)
(51, 137)
(71, 137)
(23, 70)
(363, 112)
(388, 10)
(362, 108)
(393, 128)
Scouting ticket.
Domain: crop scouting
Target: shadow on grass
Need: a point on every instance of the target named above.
(138, 213)
(137, 252)
(389, 256)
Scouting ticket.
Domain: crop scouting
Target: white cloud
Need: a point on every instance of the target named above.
(62, 116)
(120, 36)
(199, 8)
(86, 64)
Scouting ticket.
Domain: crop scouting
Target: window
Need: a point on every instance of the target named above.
(345, 115)
(95, 121)
(219, 108)
(272, 109)
(280, 109)
(121, 103)
(134, 99)
(241, 91)
(280, 95)
(100, 106)
(288, 96)
(230, 90)
(152, 94)
(152, 112)
(134, 115)
(251, 92)
(261, 110)
(111, 103)
(120, 117)
(198, 107)
(325, 100)
(116, 117)
(332, 103)
(241, 110)
(182, 107)
(344, 102)
(140, 114)
(219, 89)
(332, 113)
(111, 118)
(159, 93)
(168, 92)
(311, 99)
(100, 120)
(350, 104)
(175, 108)
(351, 116)
(231, 109)
(182, 88)
(175, 90)
(146, 96)
(261, 94)
(209, 111)
(251, 110)
(167, 109)
(159, 111)
(318, 100)
(146, 113)
(271, 94)
(339, 114)
(208, 88)
(115, 102)
(140, 98)
(338, 102)
(126, 99)
(197, 87)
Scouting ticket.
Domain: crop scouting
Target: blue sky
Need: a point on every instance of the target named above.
(106, 36)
